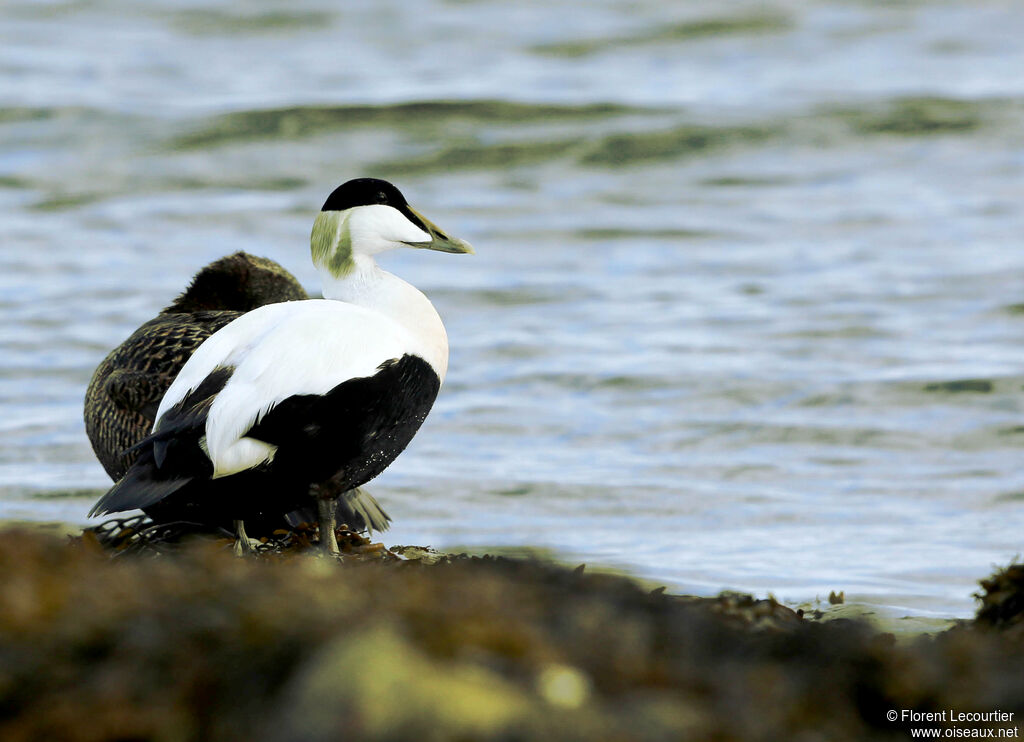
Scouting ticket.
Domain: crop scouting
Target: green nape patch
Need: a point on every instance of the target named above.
(331, 243)
(196, 644)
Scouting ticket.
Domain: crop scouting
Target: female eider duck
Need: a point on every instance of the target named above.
(307, 398)
(126, 388)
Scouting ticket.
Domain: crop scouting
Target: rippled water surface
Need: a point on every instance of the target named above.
(748, 305)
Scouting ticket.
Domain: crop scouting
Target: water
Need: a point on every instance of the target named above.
(748, 305)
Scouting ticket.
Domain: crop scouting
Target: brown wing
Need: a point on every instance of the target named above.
(126, 388)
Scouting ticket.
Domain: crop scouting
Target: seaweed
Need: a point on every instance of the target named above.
(134, 631)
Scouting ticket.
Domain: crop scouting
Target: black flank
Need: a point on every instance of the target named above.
(343, 438)
(354, 432)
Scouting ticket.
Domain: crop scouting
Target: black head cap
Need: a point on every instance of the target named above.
(363, 192)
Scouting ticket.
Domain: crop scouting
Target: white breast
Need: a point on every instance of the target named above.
(375, 289)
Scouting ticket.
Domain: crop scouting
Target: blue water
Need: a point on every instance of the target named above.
(748, 305)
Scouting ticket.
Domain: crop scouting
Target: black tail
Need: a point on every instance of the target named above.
(172, 456)
(142, 486)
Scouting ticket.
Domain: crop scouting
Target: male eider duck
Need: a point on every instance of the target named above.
(306, 398)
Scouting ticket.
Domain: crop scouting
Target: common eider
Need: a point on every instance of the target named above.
(305, 398)
(127, 386)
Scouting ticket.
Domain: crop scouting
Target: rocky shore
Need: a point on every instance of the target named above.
(192, 643)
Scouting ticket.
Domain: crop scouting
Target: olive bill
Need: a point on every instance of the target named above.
(439, 241)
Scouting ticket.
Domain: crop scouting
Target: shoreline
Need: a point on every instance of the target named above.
(900, 622)
(193, 643)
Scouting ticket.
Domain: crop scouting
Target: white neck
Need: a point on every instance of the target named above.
(369, 286)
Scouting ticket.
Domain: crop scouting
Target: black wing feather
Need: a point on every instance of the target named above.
(138, 489)
(172, 456)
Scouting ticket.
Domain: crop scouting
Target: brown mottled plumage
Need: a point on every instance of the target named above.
(126, 388)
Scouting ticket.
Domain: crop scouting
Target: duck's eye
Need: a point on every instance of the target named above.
(382, 197)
